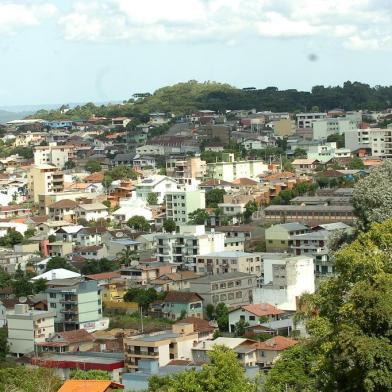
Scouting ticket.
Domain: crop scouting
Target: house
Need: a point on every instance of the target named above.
(305, 165)
(92, 252)
(89, 236)
(92, 212)
(141, 162)
(158, 184)
(68, 233)
(234, 288)
(117, 246)
(57, 273)
(131, 207)
(268, 351)
(58, 248)
(178, 304)
(51, 227)
(279, 237)
(123, 159)
(90, 385)
(68, 341)
(27, 328)
(162, 346)
(63, 210)
(203, 328)
(143, 273)
(254, 314)
(175, 281)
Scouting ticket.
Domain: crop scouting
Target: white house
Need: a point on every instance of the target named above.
(5, 226)
(131, 207)
(92, 212)
(28, 327)
(58, 273)
(158, 184)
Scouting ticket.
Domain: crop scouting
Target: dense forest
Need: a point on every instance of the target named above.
(189, 96)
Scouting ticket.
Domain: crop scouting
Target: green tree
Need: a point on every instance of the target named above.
(372, 196)
(80, 374)
(122, 172)
(4, 348)
(214, 196)
(138, 222)
(299, 153)
(222, 317)
(169, 225)
(143, 297)
(240, 328)
(126, 256)
(12, 238)
(337, 138)
(39, 286)
(93, 166)
(250, 208)
(57, 262)
(210, 310)
(356, 164)
(152, 199)
(52, 238)
(70, 165)
(198, 217)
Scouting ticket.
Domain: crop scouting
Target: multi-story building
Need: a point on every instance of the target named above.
(162, 346)
(27, 328)
(63, 210)
(180, 204)
(377, 141)
(178, 304)
(76, 303)
(279, 238)
(185, 246)
(184, 168)
(160, 185)
(234, 288)
(230, 170)
(92, 212)
(45, 179)
(285, 278)
(53, 155)
(327, 151)
(219, 263)
(306, 120)
(325, 127)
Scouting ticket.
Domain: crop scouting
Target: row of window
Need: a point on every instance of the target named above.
(225, 297)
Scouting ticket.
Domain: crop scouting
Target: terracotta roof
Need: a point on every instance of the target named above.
(215, 182)
(277, 176)
(95, 177)
(182, 297)
(66, 203)
(330, 173)
(262, 309)
(39, 219)
(199, 325)
(183, 275)
(104, 275)
(79, 335)
(13, 208)
(245, 181)
(89, 385)
(277, 343)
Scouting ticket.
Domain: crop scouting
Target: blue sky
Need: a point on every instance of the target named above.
(79, 51)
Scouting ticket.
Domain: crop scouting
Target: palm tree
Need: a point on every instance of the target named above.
(126, 256)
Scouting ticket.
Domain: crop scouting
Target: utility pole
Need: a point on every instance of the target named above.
(141, 318)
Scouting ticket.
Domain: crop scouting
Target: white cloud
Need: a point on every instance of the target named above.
(358, 24)
(16, 15)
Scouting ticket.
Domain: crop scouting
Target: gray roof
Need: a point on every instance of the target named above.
(309, 208)
(294, 226)
(335, 226)
(124, 157)
(314, 235)
(228, 253)
(217, 278)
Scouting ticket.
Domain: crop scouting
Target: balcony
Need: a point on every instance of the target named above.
(142, 354)
(72, 310)
(69, 299)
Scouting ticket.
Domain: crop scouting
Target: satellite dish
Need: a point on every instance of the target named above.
(22, 300)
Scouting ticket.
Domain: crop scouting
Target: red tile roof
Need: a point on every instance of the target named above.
(104, 275)
(79, 335)
(89, 385)
(260, 310)
(277, 343)
(182, 297)
(66, 203)
(199, 325)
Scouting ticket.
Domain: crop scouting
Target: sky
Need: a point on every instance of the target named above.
(55, 52)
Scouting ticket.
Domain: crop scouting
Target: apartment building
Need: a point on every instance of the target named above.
(219, 263)
(230, 170)
(45, 179)
(27, 328)
(76, 303)
(180, 204)
(183, 168)
(63, 210)
(92, 212)
(327, 151)
(185, 246)
(279, 238)
(306, 120)
(162, 346)
(377, 141)
(158, 184)
(53, 155)
(233, 288)
(309, 215)
(322, 128)
(285, 278)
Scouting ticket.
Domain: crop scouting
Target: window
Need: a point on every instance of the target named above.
(52, 295)
(252, 318)
(238, 283)
(238, 294)
(223, 285)
(231, 296)
(215, 298)
(230, 285)
(223, 297)
(52, 305)
(214, 287)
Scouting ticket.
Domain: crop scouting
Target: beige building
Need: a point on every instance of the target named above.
(27, 328)
(186, 168)
(53, 155)
(284, 127)
(162, 346)
(45, 179)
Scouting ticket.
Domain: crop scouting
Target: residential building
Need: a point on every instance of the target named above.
(58, 248)
(90, 385)
(130, 207)
(45, 179)
(285, 278)
(116, 246)
(279, 238)
(203, 328)
(219, 263)
(377, 141)
(307, 165)
(143, 273)
(76, 303)
(323, 153)
(309, 215)
(185, 246)
(179, 304)
(27, 328)
(325, 127)
(230, 170)
(150, 149)
(219, 132)
(143, 162)
(174, 281)
(232, 209)
(306, 120)
(183, 168)
(68, 341)
(283, 127)
(162, 346)
(158, 184)
(92, 212)
(63, 210)
(53, 155)
(181, 203)
(234, 288)
(254, 314)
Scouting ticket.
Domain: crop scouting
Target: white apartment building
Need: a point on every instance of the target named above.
(306, 120)
(28, 327)
(185, 246)
(150, 149)
(181, 203)
(53, 155)
(325, 152)
(158, 184)
(45, 179)
(231, 170)
(377, 141)
(325, 127)
(285, 279)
